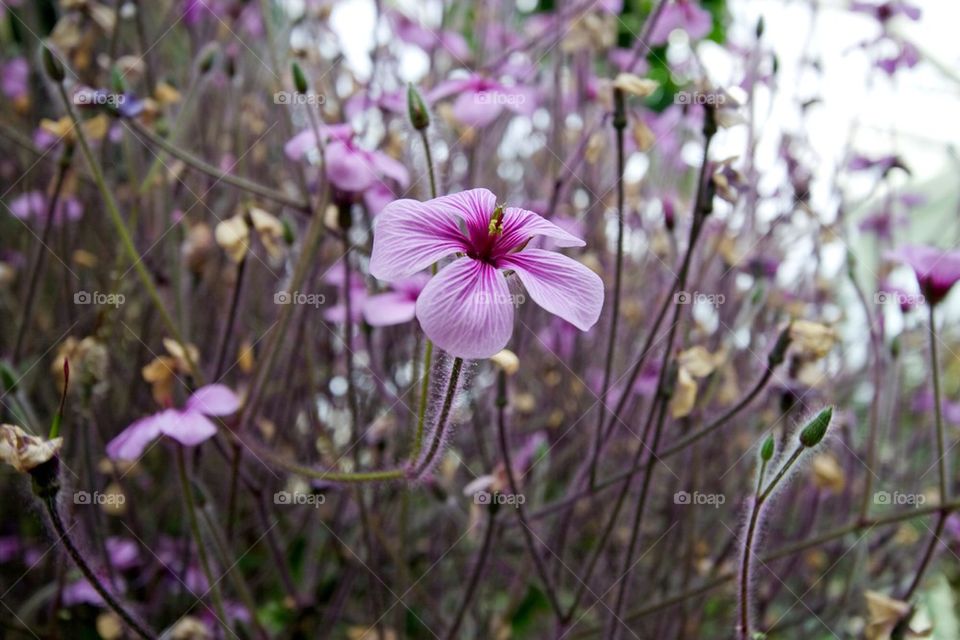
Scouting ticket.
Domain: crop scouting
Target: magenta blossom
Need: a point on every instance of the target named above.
(937, 271)
(348, 166)
(397, 306)
(686, 15)
(467, 308)
(481, 100)
(188, 426)
(33, 204)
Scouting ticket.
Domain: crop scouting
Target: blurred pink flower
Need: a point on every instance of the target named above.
(15, 82)
(348, 166)
(682, 14)
(33, 205)
(429, 40)
(481, 100)
(937, 271)
(467, 308)
(188, 426)
(397, 306)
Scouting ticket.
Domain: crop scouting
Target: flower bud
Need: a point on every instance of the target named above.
(52, 65)
(417, 109)
(766, 451)
(299, 79)
(779, 351)
(813, 433)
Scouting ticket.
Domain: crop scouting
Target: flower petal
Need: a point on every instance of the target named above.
(474, 207)
(387, 309)
(519, 225)
(409, 236)
(348, 169)
(130, 443)
(466, 309)
(188, 427)
(477, 108)
(559, 284)
(214, 400)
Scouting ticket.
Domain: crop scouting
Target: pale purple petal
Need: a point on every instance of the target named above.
(449, 88)
(390, 168)
(519, 225)
(387, 309)
(478, 108)
(130, 443)
(409, 236)
(188, 427)
(299, 145)
(214, 400)
(559, 284)
(466, 309)
(347, 168)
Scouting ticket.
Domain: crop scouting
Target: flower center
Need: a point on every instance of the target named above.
(483, 248)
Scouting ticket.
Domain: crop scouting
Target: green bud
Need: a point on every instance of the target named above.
(766, 451)
(208, 56)
(760, 27)
(52, 65)
(289, 235)
(299, 78)
(417, 109)
(779, 351)
(813, 433)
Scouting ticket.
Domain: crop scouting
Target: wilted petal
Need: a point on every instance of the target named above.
(559, 284)
(130, 443)
(466, 309)
(214, 400)
(410, 236)
(387, 309)
(189, 427)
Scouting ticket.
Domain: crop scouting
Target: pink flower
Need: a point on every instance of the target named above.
(480, 100)
(348, 166)
(33, 204)
(188, 426)
(15, 82)
(937, 271)
(467, 309)
(685, 15)
(397, 306)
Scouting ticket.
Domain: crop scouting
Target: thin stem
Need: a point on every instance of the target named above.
(941, 460)
(322, 474)
(548, 585)
(221, 176)
(428, 348)
(747, 552)
(126, 241)
(194, 523)
(51, 503)
(63, 167)
(619, 123)
(231, 319)
(442, 419)
(479, 565)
